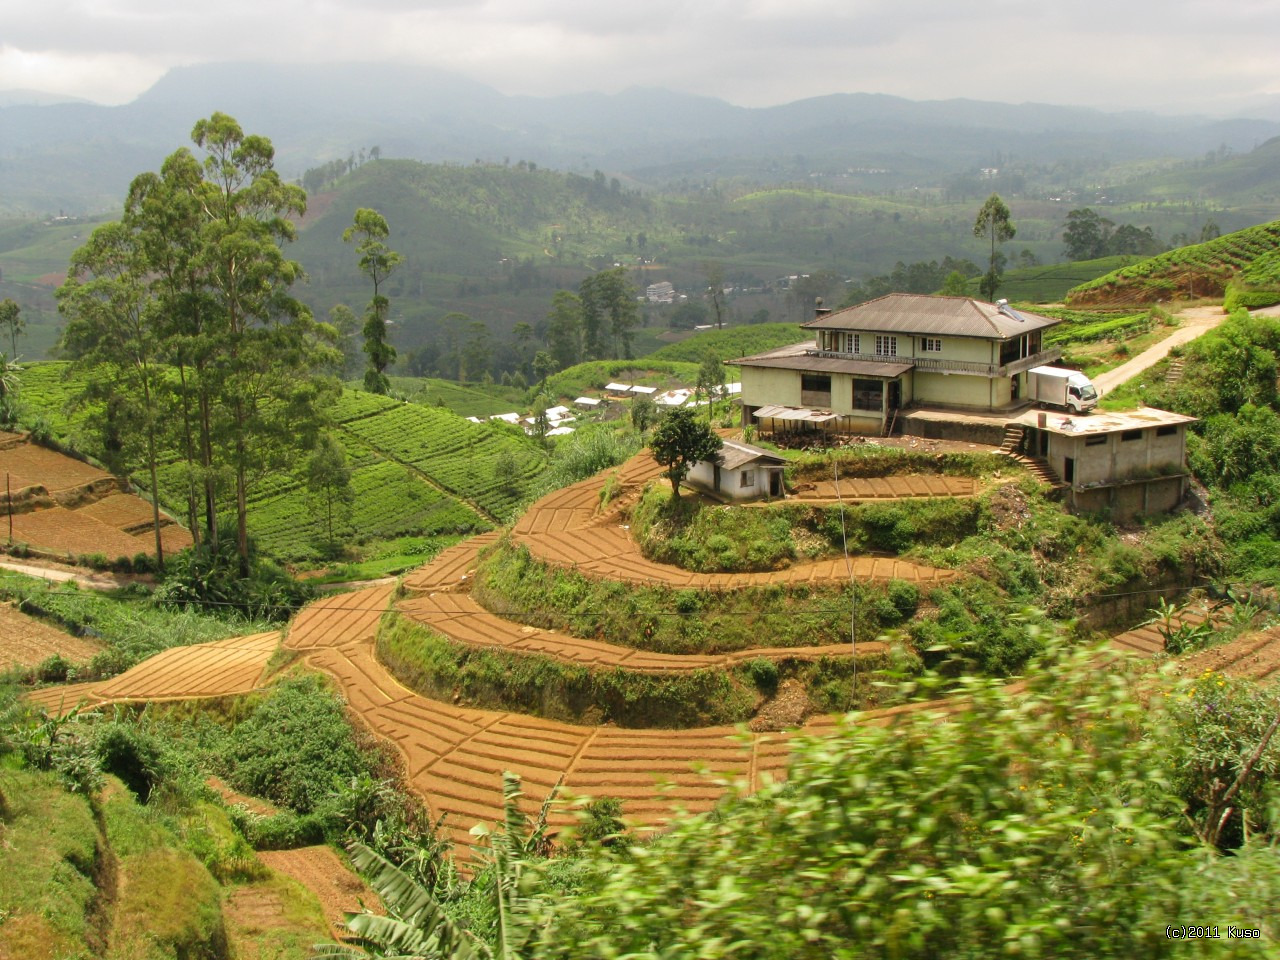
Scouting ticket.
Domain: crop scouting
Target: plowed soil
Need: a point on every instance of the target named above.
(25, 642)
(326, 874)
(90, 515)
(455, 756)
(568, 528)
(1252, 656)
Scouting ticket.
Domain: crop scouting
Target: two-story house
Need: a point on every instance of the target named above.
(866, 362)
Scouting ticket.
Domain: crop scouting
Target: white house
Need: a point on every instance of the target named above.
(743, 472)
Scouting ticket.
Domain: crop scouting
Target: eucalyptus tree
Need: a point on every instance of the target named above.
(377, 260)
(11, 317)
(270, 346)
(993, 221)
(195, 277)
(113, 337)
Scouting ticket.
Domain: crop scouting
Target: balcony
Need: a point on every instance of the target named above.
(939, 365)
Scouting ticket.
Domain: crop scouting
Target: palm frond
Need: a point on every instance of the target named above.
(418, 922)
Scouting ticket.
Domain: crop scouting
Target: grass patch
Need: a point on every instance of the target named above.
(168, 904)
(130, 626)
(437, 667)
(513, 584)
(733, 539)
(47, 887)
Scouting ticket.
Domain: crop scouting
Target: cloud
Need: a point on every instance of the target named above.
(1182, 54)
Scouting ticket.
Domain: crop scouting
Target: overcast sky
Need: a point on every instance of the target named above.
(1177, 56)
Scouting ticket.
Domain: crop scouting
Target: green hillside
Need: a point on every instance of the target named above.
(416, 472)
(731, 342)
(1199, 270)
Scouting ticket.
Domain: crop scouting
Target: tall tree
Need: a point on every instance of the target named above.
(715, 290)
(377, 260)
(329, 481)
(710, 381)
(1086, 234)
(269, 347)
(679, 441)
(564, 329)
(993, 221)
(11, 317)
(114, 339)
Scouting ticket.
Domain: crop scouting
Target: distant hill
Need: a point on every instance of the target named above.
(80, 157)
(1200, 270)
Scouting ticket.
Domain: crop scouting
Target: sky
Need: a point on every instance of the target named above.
(1171, 56)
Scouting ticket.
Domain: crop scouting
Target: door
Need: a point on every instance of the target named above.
(1014, 389)
(1069, 469)
(895, 394)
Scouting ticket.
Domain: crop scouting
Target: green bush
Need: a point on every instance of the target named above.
(294, 748)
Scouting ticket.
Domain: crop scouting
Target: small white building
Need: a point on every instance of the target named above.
(742, 472)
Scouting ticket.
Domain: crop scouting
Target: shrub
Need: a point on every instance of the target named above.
(294, 747)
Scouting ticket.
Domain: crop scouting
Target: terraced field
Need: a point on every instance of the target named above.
(454, 756)
(67, 507)
(25, 642)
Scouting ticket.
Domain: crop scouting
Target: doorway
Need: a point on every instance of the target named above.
(1069, 469)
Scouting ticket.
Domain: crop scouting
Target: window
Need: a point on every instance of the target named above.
(886, 346)
(815, 389)
(868, 395)
(1095, 441)
(852, 343)
(1168, 430)
(1128, 435)
(748, 478)
(930, 345)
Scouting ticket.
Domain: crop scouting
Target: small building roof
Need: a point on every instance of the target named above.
(616, 387)
(588, 401)
(557, 413)
(910, 313)
(645, 390)
(559, 431)
(777, 411)
(734, 455)
(1099, 423)
(506, 417)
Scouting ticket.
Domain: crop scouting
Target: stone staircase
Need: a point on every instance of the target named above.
(1174, 373)
(1011, 447)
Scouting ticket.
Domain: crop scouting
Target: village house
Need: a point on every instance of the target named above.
(866, 362)
(741, 472)
(1129, 464)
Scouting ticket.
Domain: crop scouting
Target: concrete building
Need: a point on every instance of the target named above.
(743, 472)
(867, 362)
(1129, 464)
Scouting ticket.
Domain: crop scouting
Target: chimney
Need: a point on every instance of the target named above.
(819, 311)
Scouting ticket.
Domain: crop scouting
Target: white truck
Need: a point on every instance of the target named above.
(1069, 389)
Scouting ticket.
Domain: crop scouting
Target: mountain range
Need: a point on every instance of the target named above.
(78, 157)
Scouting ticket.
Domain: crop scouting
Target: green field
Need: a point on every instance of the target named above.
(417, 472)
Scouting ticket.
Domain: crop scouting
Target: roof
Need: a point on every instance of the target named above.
(1099, 423)
(734, 455)
(777, 411)
(911, 313)
(796, 357)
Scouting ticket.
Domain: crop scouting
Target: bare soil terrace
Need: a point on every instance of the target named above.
(63, 506)
(455, 756)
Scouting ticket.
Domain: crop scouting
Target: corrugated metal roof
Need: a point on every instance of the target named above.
(916, 314)
(734, 455)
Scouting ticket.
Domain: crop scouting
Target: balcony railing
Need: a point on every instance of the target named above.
(950, 366)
